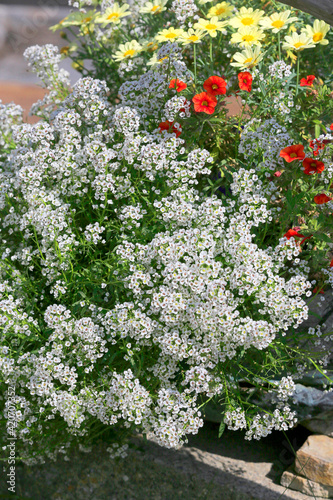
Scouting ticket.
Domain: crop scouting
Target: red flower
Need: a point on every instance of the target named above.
(292, 153)
(277, 173)
(315, 290)
(293, 233)
(316, 146)
(215, 85)
(320, 199)
(331, 126)
(170, 127)
(308, 81)
(331, 263)
(245, 81)
(179, 85)
(205, 103)
(312, 166)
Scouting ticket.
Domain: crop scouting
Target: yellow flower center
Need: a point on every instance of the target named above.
(317, 37)
(248, 60)
(156, 8)
(210, 26)
(247, 21)
(293, 155)
(278, 23)
(220, 10)
(297, 45)
(86, 19)
(64, 50)
(163, 58)
(114, 15)
(214, 86)
(129, 53)
(193, 38)
(247, 38)
(171, 35)
(313, 164)
(204, 103)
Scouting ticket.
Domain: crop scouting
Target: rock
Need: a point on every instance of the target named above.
(290, 480)
(310, 396)
(320, 424)
(314, 460)
(313, 378)
(320, 309)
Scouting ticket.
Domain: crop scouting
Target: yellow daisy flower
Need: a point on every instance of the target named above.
(154, 7)
(114, 14)
(297, 42)
(169, 35)
(153, 60)
(192, 36)
(75, 19)
(277, 21)
(127, 50)
(150, 45)
(317, 32)
(247, 36)
(248, 58)
(220, 10)
(246, 17)
(211, 26)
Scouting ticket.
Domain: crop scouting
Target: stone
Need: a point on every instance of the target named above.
(314, 460)
(292, 481)
(320, 424)
(312, 397)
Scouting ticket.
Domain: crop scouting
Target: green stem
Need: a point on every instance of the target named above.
(297, 83)
(279, 45)
(211, 52)
(195, 64)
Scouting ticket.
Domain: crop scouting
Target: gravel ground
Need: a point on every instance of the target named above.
(207, 468)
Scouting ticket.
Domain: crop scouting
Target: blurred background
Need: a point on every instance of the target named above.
(24, 23)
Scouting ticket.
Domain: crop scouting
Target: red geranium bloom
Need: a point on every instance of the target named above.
(292, 153)
(315, 290)
(170, 127)
(308, 81)
(215, 85)
(331, 264)
(320, 199)
(331, 126)
(205, 103)
(245, 81)
(316, 146)
(179, 85)
(312, 166)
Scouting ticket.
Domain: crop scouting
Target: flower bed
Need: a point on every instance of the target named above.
(155, 250)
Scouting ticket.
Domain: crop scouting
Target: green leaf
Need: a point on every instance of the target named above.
(315, 314)
(324, 237)
(221, 428)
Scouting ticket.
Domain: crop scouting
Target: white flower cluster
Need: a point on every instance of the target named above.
(184, 9)
(262, 424)
(264, 141)
(286, 388)
(10, 114)
(43, 60)
(177, 106)
(187, 285)
(146, 94)
(93, 233)
(280, 70)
